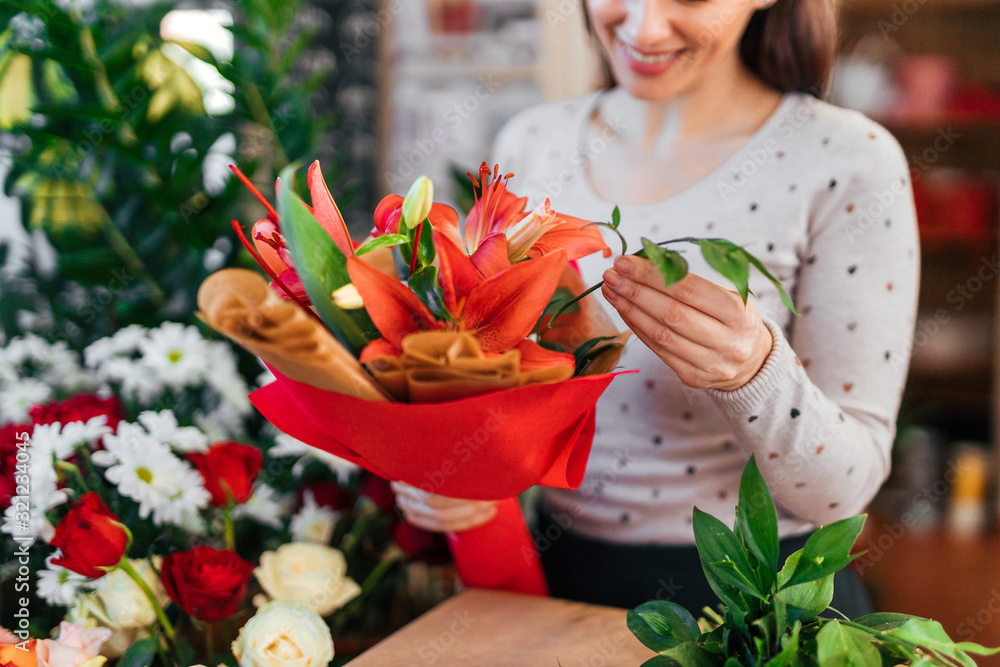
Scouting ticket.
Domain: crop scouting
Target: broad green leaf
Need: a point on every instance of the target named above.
(843, 646)
(384, 241)
(426, 252)
(745, 581)
(424, 283)
(785, 299)
(690, 654)
(883, 621)
(661, 625)
(670, 264)
(660, 661)
(716, 543)
(321, 266)
(828, 550)
(141, 653)
(757, 518)
(730, 261)
(811, 597)
(929, 634)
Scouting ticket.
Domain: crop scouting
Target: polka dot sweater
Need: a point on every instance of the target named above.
(822, 196)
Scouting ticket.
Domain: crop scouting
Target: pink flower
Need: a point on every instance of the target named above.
(76, 645)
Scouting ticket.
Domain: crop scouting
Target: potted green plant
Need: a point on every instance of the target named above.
(770, 616)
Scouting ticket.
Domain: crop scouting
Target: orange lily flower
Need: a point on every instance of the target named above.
(499, 309)
(531, 234)
(269, 243)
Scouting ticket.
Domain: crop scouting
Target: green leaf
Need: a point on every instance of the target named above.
(810, 598)
(424, 284)
(883, 621)
(689, 654)
(384, 241)
(828, 550)
(717, 544)
(789, 649)
(843, 646)
(141, 653)
(616, 218)
(426, 251)
(757, 518)
(320, 264)
(785, 299)
(929, 634)
(670, 264)
(661, 625)
(730, 261)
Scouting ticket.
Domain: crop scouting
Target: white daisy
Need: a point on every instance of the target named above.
(162, 484)
(264, 505)
(124, 343)
(177, 354)
(54, 364)
(286, 445)
(57, 585)
(225, 377)
(36, 526)
(162, 426)
(225, 422)
(135, 380)
(18, 397)
(313, 523)
(62, 440)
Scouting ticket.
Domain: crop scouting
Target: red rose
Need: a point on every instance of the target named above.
(229, 470)
(80, 408)
(326, 494)
(10, 437)
(90, 537)
(207, 583)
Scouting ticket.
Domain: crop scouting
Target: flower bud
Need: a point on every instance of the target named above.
(348, 298)
(417, 205)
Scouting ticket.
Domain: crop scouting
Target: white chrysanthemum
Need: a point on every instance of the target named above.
(225, 422)
(264, 506)
(57, 585)
(177, 354)
(162, 484)
(18, 397)
(36, 525)
(62, 440)
(286, 445)
(123, 344)
(53, 364)
(128, 438)
(136, 381)
(162, 426)
(313, 523)
(225, 377)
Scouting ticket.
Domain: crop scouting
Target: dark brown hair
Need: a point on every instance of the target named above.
(790, 45)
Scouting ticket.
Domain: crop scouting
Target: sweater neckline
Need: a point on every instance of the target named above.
(583, 177)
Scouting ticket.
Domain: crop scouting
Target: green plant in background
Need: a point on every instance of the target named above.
(770, 616)
(120, 163)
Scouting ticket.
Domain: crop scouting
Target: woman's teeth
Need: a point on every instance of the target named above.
(647, 59)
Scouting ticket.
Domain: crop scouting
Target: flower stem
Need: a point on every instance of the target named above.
(210, 642)
(168, 629)
(228, 527)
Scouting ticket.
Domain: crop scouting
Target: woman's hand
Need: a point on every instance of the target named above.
(441, 514)
(701, 330)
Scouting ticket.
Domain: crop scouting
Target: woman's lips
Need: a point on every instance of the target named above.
(648, 64)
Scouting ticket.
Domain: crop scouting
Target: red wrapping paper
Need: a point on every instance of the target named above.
(487, 447)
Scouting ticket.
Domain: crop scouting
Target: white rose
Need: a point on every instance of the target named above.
(119, 604)
(284, 633)
(312, 574)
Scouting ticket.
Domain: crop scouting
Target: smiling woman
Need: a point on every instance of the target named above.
(703, 89)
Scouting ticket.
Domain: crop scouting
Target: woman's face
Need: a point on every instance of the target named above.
(661, 48)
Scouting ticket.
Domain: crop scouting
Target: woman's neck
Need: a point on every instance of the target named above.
(732, 104)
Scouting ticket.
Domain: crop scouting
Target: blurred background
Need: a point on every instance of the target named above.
(118, 122)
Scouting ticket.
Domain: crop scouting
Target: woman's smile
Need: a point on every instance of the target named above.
(645, 62)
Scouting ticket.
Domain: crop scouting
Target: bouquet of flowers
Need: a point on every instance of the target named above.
(425, 355)
(149, 523)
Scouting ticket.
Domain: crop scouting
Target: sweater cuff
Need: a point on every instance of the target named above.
(778, 367)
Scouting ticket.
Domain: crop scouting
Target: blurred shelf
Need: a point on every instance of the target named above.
(449, 71)
(868, 7)
(970, 142)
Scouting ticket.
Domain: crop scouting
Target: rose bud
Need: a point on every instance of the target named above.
(207, 583)
(229, 470)
(90, 537)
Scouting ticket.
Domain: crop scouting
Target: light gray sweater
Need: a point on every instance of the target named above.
(822, 196)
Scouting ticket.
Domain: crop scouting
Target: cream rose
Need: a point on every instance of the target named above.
(120, 605)
(284, 633)
(313, 574)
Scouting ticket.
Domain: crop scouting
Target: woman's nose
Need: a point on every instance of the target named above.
(648, 22)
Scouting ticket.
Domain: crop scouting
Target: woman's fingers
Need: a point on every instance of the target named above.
(438, 513)
(704, 295)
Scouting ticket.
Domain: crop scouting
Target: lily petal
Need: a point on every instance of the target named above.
(268, 241)
(445, 218)
(571, 237)
(378, 348)
(457, 275)
(504, 308)
(394, 309)
(387, 215)
(490, 257)
(534, 356)
(497, 210)
(326, 211)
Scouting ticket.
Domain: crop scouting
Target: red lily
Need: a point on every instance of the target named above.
(532, 234)
(499, 307)
(390, 210)
(272, 252)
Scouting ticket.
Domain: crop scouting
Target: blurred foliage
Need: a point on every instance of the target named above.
(118, 161)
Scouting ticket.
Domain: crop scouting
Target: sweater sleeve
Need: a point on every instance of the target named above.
(820, 415)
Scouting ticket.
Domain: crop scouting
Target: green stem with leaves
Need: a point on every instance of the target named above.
(229, 528)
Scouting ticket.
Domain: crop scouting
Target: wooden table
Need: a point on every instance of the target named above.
(489, 628)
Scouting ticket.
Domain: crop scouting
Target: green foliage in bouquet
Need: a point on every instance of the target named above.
(771, 616)
(120, 164)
